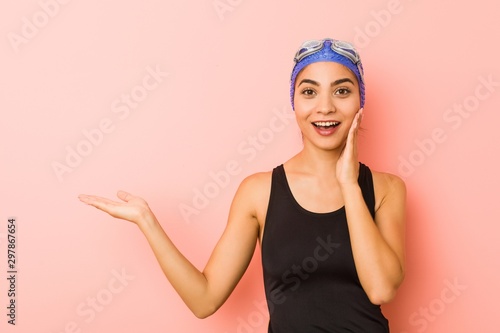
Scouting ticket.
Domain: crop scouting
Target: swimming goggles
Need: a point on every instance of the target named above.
(340, 47)
(343, 48)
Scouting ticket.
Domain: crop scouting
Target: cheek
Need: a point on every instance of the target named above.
(350, 105)
(302, 118)
(352, 114)
(305, 104)
(351, 111)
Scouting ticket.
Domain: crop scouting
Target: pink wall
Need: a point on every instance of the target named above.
(206, 77)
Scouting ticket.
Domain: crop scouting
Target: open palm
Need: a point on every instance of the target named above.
(347, 165)
(131, 208)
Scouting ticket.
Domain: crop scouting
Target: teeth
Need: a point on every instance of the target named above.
(326, 123)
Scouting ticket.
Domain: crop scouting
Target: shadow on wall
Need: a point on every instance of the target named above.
(428, 280)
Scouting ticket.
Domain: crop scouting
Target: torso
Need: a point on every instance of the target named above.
(310, 276)
(311, 194)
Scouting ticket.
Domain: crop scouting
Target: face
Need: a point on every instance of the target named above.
(326, 100)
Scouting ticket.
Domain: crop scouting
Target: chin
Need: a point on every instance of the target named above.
(329, 146)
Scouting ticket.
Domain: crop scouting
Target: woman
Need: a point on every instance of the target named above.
(331, 231)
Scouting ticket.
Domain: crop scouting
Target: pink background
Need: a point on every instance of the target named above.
(224, 105)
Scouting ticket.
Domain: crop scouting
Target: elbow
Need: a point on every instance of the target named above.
(386, 293)
(203, 312)
(382, 296)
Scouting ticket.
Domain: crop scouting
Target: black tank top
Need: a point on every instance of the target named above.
(310, 279)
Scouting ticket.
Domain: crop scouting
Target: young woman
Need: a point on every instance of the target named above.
(331, 230)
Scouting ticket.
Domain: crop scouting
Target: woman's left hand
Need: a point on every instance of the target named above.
(348, 165)
(131, 208)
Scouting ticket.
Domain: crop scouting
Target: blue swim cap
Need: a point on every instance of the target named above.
(328, 50)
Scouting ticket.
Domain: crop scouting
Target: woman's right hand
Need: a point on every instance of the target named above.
(202, 291)
(132, 208)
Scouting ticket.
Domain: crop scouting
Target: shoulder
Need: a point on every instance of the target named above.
(388, 188)
(388, 181)
(253, 195)
(256, 184)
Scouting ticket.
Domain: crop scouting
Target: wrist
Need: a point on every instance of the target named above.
(147, 220)
(350, 187)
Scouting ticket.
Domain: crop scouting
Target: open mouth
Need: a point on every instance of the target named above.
(325, 125)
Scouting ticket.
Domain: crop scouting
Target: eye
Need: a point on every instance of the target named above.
(342, 91)
(308, 92)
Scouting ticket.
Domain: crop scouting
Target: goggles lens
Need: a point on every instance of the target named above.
(307, 48)
(312, 46)
(343, 48)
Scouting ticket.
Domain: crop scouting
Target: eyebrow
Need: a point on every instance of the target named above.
(334, 83)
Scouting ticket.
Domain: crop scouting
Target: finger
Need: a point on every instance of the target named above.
(358, 118)
(85, 198)
(351, 142)
(125, 196)
(358, 125)
(353, 130)
(94, 198)
(101, 203)
(357, 122)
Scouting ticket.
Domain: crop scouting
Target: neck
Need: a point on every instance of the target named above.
(318, 161)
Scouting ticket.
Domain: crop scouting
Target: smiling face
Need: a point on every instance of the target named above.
(326, 100)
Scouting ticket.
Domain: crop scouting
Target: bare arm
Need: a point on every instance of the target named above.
(202, 291)
(377, 246)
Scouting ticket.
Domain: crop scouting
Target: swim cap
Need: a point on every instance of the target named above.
(332, 50)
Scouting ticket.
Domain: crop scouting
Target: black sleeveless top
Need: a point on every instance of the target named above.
(310, 279)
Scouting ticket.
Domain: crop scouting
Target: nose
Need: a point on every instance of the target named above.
(325, 104)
